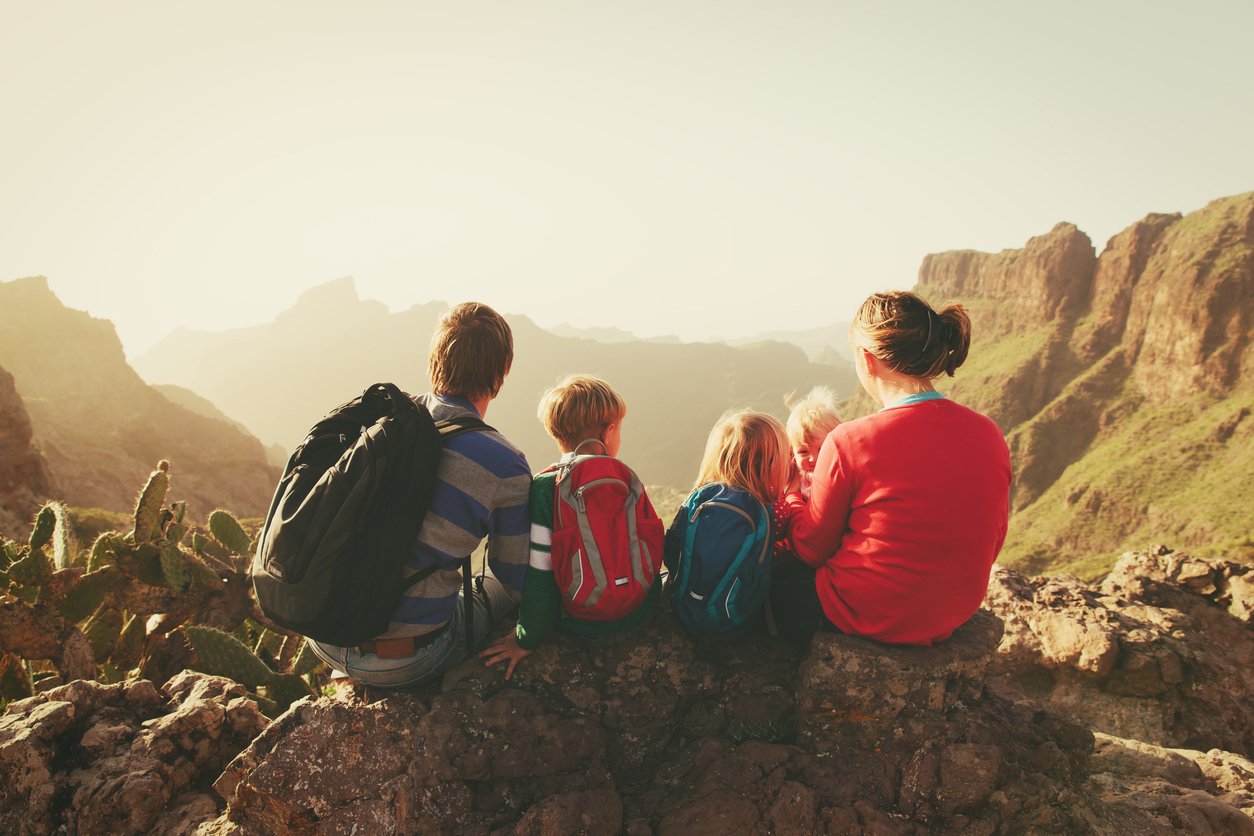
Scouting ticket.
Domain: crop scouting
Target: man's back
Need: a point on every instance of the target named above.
(482, 487)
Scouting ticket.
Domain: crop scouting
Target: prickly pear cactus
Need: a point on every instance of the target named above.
(148, 507)
(45, 523)
(227, 531)
(148, 579)
(174, 568)
(102, 631)
(222, 654)
(129, 650)
(86, 596)
(104, 552)
(306, 661)
(28, 575)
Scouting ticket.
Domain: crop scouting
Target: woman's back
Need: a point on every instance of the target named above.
(911, 505)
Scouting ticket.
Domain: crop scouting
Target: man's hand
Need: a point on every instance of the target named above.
(504, 649)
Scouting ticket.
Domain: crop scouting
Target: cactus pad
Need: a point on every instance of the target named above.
(32, 571)
(130, 647)
(174, 568)
(148, 505)
(102, 631)
(45, 522)
(306, 661)
(85, 597)
(104, 552)
(286, 689)
(227, 531)
(221, 654)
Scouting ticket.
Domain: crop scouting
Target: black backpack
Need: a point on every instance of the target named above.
(346, 515)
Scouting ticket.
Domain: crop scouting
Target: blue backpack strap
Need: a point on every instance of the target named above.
(746, 548)
(685, 556)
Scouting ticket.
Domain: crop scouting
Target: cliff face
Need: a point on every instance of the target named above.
(100, 428)
(24, 479)
(1049, 279)
(1123, 382)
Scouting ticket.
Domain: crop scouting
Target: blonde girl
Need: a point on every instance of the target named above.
(718, 549)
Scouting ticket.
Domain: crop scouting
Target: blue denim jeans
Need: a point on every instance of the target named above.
(430, 661)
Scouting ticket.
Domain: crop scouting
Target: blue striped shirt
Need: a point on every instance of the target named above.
(481, 490)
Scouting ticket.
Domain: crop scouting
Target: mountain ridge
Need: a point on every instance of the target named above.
(100, 428)
(328, 353)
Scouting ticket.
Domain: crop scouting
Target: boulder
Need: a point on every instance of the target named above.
(850, 684)
(1160, 651)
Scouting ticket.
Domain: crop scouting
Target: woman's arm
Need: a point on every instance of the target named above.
(817, 530)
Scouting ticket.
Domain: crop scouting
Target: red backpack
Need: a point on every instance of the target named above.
(607, 539)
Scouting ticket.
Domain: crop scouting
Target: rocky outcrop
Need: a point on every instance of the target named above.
(24, 480)
(1161, 651)
(92, 758)
(99, 427)
(667, 735)
(1067, 708)
(1051, 278)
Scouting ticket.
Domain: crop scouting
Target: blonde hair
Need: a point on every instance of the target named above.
(747, 450)
(813, 416)
(579, 408)
(472, 350)
(901, 329)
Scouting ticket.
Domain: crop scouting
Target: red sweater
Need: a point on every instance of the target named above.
(907, 514)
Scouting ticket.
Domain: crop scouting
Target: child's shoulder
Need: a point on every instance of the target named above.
(543, 481)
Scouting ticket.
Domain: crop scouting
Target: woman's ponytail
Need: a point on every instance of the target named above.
(902, 330)
(955, 333)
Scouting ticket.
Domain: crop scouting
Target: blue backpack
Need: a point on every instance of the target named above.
(718, 550)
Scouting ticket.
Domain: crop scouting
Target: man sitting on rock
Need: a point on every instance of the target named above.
(482, 487)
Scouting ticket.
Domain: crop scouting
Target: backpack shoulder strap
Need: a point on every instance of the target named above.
(453, 427)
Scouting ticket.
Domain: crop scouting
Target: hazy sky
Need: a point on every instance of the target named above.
(701, 168)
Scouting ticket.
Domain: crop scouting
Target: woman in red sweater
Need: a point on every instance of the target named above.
(909, 505)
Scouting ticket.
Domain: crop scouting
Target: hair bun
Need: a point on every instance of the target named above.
(956, 336)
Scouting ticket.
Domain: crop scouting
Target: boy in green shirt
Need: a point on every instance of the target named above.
(584, 415)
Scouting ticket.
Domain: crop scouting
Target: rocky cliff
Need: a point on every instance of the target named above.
(1124, 381)
(1121, 707)
(100, 428)
(24, 479)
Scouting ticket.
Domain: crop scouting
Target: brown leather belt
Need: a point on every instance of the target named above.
(398, 648)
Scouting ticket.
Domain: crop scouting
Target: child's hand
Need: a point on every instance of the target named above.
(504, 649)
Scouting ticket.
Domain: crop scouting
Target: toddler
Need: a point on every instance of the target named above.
(809, 422)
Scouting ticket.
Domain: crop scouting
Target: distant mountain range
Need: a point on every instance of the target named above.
(828, 344)
(1124, 383)
(279, 378)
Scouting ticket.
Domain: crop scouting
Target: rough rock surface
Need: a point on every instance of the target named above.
(124, 758)
(668, 735)
(24, 479)
(1161, 651)
(1049, 278)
